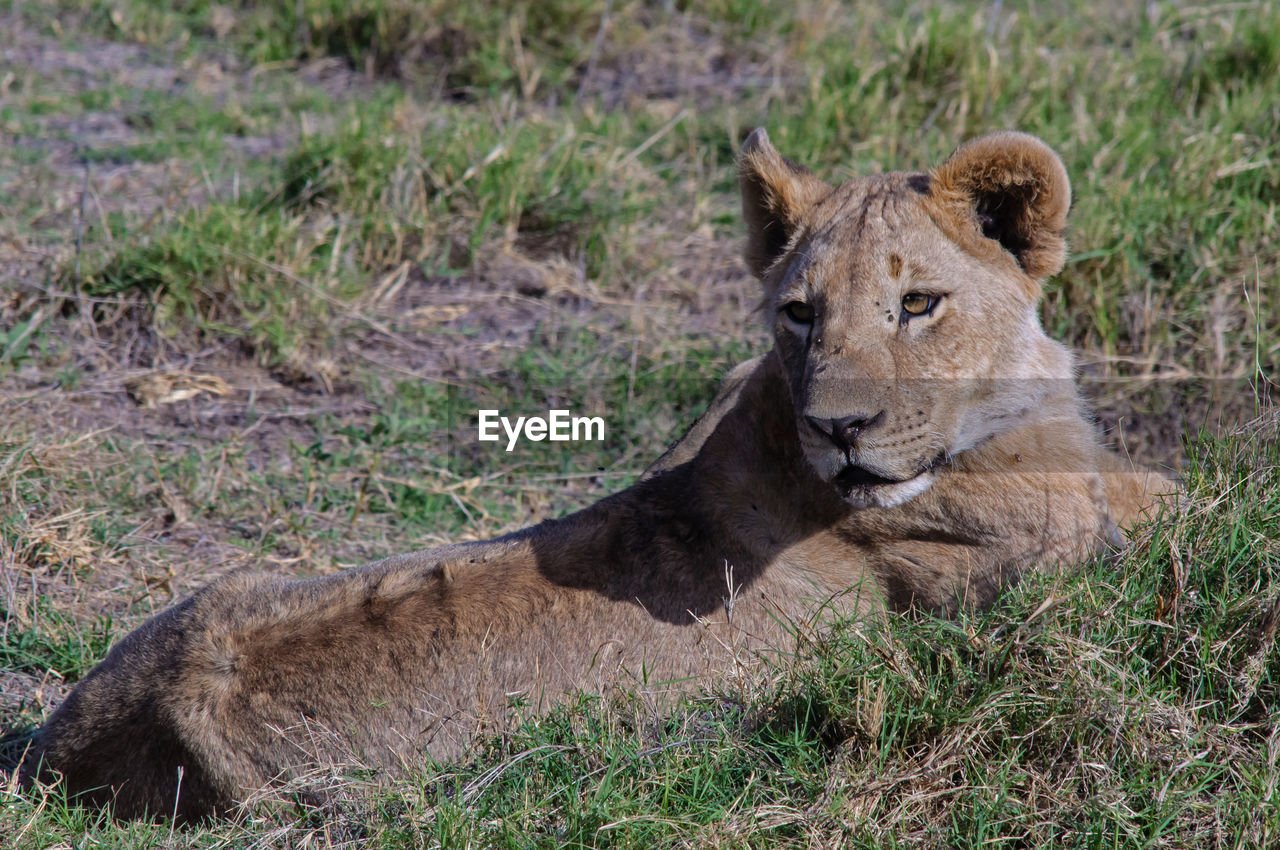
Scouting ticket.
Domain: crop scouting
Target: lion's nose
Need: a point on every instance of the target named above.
(844, 432)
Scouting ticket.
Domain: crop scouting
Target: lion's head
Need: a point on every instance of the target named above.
(903, 306)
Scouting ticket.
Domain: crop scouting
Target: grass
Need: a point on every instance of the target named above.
(370, 219)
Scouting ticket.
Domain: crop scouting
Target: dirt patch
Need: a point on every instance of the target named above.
(93, 63)
(678, 60)
(57, 159)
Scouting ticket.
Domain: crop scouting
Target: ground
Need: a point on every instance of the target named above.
(261, 262)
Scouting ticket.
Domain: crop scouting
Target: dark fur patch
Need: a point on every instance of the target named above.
(919, 183)
(773, 239)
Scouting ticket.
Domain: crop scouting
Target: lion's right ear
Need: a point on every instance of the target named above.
(776, 193)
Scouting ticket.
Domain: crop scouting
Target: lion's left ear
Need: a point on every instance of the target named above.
(1011, 189)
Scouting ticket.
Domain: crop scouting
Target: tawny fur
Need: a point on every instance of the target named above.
(991, 470)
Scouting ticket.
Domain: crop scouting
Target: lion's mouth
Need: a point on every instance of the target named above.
(854, 479)
(859, 476)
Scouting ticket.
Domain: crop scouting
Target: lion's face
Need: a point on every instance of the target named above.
(903, 306)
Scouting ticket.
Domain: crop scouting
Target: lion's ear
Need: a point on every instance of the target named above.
(1010, 188)
(776, 193)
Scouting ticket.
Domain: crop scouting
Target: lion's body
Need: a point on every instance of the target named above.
(744, 528)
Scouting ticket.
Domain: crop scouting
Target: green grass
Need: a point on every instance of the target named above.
(1170, 143)
(434, 42)
(373, 218)
(55, 646)
(279, 266)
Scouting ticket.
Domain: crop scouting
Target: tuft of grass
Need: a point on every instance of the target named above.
(284, 269)
(223, 271)
(52, 643)
(463, 51)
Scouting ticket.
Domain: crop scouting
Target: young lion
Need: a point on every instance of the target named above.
(913, 439)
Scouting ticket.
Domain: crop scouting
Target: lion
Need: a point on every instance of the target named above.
(912, 440)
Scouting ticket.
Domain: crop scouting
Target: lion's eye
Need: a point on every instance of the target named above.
(918, 304)
(799, 312)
